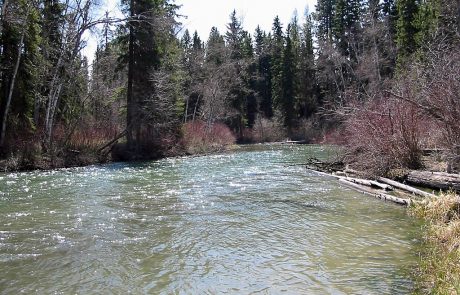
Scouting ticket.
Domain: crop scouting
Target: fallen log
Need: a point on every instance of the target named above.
(325, 166)
(376, 194)
(407, 188)
(370, 183)
(436, 180)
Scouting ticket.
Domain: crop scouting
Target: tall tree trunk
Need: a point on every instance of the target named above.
(195, 109)
(129, 98)
(5, 107)
(4, 6)
(186, 109)
(36, 109)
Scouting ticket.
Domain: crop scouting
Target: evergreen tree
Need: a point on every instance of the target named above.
(196, 44)
(307, 97)
(250, 80)
(193, 72)
(406, 29)
(277, 48)
(324, 17)
(426, 20)
(150, 25)
(239, 63)
(19, 66)
(286, 105)
(264, 76)
(186, 41)
(234, 36)
(215, 47)
(345, 24)
(296, 43)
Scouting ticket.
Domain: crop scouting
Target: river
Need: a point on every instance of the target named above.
(246, 222)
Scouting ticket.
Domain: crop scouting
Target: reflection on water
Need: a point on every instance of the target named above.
(243, 222)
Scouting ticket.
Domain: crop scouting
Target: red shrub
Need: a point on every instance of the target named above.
(85, 136)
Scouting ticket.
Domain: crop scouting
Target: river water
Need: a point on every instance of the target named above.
(245, 222)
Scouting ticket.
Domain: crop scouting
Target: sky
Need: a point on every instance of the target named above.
(202, 15)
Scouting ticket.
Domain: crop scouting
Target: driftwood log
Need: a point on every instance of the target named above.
(378, 187)
(436, 180)
(367, 187)
(407, 188)
(377, 194)
(371, 183)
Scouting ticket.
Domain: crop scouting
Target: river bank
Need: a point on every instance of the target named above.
(439, 268)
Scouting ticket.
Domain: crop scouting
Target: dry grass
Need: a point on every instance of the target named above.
(439, 271)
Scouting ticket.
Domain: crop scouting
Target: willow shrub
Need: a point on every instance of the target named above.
(385, 134)
(199, 137)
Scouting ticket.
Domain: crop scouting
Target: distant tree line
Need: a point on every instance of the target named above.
(149, 78)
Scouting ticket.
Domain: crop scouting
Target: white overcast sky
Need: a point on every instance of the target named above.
(204, 14)
(201, 15)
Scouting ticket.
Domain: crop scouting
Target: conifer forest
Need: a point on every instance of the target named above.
(380, 77)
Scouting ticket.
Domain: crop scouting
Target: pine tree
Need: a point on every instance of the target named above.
(264, 75)
(186, 40)
(277, 48)
(193, 72)
(148, 39)
(345, 23)
(307, 100)
(234, 36)
(324, 17)
(406, 29)
(287, 101)
(250, 80)
(426, 20)
(215, 47)
(239, 64)
(196, 44)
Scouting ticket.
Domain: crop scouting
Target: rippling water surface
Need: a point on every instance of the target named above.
(246, 222)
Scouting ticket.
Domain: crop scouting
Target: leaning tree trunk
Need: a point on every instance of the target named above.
(7, 102)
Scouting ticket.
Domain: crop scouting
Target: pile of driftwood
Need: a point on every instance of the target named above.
(387, 189)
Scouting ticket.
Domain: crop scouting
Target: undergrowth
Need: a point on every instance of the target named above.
(200, 138)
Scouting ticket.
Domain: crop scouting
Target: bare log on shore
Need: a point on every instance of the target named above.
(376, 194)
(407, 188)
(436, 180)
(370, 183)
(385, 183)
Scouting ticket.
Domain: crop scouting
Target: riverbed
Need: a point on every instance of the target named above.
(251, 221)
